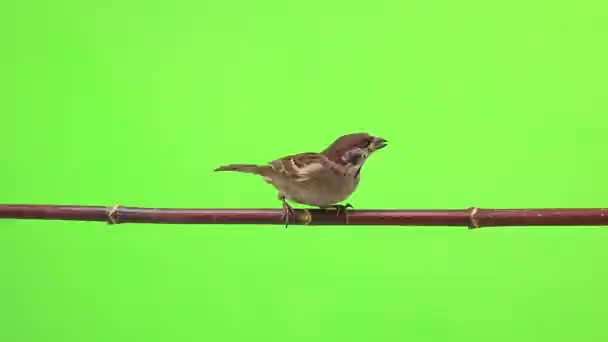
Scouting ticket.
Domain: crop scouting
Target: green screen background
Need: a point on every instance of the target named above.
(491, 104)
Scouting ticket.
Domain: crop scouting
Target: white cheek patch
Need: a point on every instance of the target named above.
(351, 155)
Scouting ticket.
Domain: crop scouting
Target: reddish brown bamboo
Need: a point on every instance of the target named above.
(472, 217)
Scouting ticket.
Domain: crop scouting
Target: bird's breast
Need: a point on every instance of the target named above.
(321, 192)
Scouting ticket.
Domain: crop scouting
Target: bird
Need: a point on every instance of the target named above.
(322, 179)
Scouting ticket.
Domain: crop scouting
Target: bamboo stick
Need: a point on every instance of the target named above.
(471, 217)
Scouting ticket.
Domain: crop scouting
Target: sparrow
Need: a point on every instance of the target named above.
(317, 179)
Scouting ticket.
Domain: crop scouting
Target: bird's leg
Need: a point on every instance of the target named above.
(287, 211)
(341, 208)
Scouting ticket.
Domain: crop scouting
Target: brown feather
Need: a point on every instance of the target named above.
(292, 166)
(319, 179)
(247, 168)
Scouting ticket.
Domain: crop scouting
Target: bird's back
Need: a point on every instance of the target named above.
(311, 179)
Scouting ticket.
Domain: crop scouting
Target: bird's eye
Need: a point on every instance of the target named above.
(365, 143)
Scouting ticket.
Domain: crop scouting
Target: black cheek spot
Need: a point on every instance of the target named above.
(355, 159)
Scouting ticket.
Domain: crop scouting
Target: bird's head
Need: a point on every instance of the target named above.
(353, 150)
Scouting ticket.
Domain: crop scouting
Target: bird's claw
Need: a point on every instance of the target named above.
(342, 208)
(287, 212)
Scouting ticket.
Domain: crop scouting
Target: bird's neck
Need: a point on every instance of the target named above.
(353, 170)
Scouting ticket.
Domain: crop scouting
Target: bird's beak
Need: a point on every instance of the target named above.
(378, 143)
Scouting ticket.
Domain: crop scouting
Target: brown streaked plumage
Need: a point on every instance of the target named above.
(318, 179)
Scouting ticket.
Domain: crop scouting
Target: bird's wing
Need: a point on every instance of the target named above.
(304, 166)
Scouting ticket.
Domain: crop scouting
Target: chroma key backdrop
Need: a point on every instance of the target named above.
(485, 104)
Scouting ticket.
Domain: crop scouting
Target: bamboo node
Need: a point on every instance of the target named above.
(306, 217)
(473, 221)
(113, 214)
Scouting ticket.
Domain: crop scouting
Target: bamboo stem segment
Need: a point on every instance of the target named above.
(471, 217)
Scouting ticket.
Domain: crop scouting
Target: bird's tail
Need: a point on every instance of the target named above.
(247, 168)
